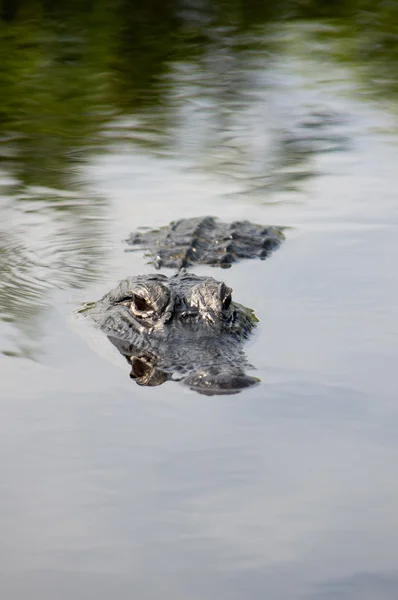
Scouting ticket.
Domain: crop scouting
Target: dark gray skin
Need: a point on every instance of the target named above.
(185, 328)
(206, 240)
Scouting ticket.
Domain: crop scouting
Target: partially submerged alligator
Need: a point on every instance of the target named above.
(186, 327)
(183, 325)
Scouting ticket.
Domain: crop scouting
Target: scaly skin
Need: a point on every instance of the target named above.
(206, 240)
(184, 327)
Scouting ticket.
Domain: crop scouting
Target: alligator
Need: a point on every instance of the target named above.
(185, 327)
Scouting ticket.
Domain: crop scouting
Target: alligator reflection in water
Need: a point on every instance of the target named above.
(183, 328)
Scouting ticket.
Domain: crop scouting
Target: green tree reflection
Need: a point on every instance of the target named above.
(67, 68)
(70, 69)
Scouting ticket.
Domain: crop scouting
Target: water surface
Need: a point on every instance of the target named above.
(287, 490)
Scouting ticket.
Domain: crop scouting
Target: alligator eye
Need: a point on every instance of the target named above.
(226, 303)
(141, 304)
(139, 367)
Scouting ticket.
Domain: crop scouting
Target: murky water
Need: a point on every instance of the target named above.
(287, 490)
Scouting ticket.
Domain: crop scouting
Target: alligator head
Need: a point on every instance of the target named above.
(184, 328)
